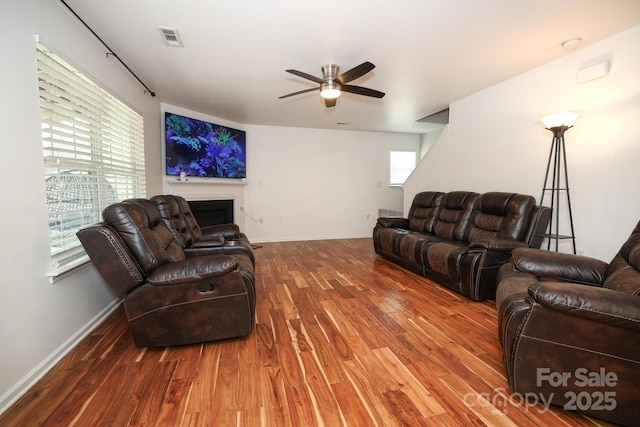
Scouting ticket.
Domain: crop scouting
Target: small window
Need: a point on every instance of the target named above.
(402, 163)
(93, 149)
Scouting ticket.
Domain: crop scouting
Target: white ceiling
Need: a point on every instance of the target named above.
(428, 53)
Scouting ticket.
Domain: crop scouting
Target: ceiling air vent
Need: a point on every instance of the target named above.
(171, 37)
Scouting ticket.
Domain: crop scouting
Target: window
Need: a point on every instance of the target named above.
(93, 148)
(402, 163)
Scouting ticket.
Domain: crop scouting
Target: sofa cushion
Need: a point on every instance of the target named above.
(189, 219)
(501, 215)
(623, 271)
(410, 246)
(630, 251)
(172, 215)
(424, 211)
(387, 239)
(444, 257)
(139, 224)
(622, 277)
(455, 214)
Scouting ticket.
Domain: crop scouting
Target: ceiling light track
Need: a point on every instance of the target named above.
(110, 51)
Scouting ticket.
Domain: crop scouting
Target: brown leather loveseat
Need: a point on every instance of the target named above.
(569, 326)
(460, 239)
(169, 298)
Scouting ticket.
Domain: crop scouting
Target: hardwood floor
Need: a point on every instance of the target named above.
(342, 337)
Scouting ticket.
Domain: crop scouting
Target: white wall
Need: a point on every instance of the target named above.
(495, 143)
(39, 319)
(312, 183)
(305, 183)
(428, 139)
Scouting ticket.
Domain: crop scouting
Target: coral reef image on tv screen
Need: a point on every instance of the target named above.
(200, 148)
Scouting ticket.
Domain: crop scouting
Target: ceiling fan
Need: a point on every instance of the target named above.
(332, 84)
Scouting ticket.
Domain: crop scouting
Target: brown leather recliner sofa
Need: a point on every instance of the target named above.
(460, 239)
(196, 240)
(569, 326)
(169, 298)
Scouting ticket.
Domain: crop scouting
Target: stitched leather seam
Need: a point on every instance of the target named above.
(581, 348)
(248, 298)
(618, 271)
(139, 229)
(476, 286)
(185, 303)
(123, 256)
(592, 311)
(516, 342)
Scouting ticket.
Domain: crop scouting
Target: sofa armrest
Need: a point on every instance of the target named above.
(226, 231)
(393, 222)
(208, 242)
(601, 305)
(556, 265)
(479, 266)
(497, 244)
(193, 269)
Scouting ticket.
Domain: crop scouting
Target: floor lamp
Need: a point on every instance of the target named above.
(556, 181)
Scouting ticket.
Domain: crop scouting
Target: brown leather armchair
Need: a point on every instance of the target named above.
(169, 299)
(195, 240)
(569, 326)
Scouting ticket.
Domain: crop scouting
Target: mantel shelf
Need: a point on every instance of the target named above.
(209, 181)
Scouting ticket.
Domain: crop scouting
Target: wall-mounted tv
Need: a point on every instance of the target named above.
(202, 149)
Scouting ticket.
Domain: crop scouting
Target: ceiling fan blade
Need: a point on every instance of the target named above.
(330, 102)
(359, 90)
(305, 76)
(299, 92)
(355, 72)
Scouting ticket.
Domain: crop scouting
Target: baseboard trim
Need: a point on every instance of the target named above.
(303, 238)
(29, 380)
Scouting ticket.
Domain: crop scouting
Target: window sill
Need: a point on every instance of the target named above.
(55, 275)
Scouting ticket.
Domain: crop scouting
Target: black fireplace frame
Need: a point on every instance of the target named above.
(212, 212)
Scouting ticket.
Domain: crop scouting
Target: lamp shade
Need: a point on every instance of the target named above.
(565, 118)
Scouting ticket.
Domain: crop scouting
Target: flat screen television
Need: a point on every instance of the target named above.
(201, 149)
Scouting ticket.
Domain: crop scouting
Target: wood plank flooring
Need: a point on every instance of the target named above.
(342, 338)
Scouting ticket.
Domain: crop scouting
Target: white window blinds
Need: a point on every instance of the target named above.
(93, 148)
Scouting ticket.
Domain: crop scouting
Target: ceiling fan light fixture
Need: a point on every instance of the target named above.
(330, 90)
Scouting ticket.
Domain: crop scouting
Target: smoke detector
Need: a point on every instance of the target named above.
(171, 37)
(571, 43)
